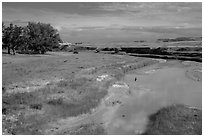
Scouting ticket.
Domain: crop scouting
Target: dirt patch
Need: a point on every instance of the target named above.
(118, 91)
(194, 73)
(194, 70)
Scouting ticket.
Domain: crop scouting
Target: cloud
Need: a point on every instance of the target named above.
(106, 21)
(178, 30)
(126, 33)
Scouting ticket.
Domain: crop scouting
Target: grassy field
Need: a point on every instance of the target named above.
(43, 89)
(40, 89)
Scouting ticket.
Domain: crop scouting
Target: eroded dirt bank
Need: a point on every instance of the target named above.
(88, 93)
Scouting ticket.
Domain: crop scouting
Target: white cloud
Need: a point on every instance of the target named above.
(109, 20)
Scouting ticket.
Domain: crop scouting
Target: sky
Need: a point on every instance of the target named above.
(107, 22)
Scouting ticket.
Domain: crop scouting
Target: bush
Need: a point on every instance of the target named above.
(75, 52)
(36, 106)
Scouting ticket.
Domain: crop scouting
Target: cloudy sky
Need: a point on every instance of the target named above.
(102, 22)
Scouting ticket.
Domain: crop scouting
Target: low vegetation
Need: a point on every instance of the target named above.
(175, 120)
(61, 100)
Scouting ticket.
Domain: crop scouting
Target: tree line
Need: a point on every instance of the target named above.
(33, 38)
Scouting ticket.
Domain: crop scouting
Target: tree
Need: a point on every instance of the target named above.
(16, 38)
(43, 37)
(3, 35)
(35, 37)
(7, 37)
(11, 37)
(24, 40)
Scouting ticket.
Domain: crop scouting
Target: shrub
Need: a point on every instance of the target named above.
(36, 106)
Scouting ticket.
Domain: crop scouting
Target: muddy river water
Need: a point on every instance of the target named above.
(153, 89)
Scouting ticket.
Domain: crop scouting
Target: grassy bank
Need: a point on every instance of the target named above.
(29, 112)
(175, 120)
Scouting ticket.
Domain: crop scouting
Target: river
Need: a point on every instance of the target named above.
(154, 88)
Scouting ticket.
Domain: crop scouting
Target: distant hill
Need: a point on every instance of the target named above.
(180, 39)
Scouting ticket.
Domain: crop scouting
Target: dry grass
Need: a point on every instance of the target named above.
(175, 120)
(62, 100)
(87, 129)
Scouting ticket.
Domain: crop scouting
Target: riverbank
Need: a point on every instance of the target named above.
(79, 94)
